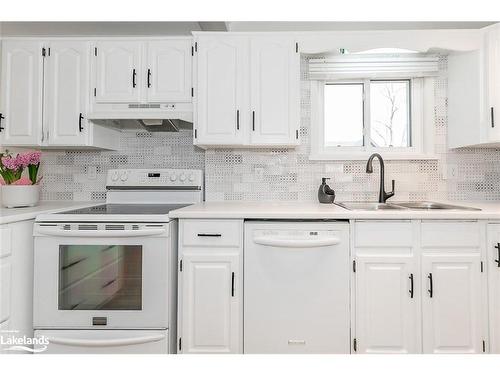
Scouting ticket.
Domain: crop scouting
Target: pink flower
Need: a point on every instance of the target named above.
(22, 181)
(10, 163)
(34, 157)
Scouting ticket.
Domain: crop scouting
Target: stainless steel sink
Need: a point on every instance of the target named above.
(369, 206)
(375, 206)
(433, 206)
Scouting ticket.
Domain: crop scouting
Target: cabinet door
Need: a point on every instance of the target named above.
(118, 71)
(21, 109)
(222, 90)
(168, 71)
(67, 92)
(211, 303)
(386, 305)
(451, 303)
(494, 286)
(274, 93)
(493, 81)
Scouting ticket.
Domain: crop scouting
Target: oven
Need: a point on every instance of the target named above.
(104, 275)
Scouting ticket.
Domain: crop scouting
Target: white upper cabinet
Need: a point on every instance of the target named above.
(118, 70)
(168, 71)
(247, 90)
(66, 92)
(474, 94)
(21, 108)
(45, 95)
(221, 99)
(274, 90)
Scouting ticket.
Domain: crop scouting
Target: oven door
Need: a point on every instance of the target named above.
(101, 275)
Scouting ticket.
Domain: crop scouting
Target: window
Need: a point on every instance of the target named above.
(352, 119)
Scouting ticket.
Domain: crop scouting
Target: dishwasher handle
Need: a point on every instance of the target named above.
(296, 242)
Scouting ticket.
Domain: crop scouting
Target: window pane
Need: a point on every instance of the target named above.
(344, 114)
(390, 113)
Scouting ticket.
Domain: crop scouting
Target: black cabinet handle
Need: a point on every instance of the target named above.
(149, 78)
(431, 286)
(497, 261)
(108, 284)
(411, 285)
(209, 235)
(1, 118)
(134, 74)
(492, 117)
(80, 118)
(253, 120)
(232, 284)
(237, 119)
(72, 264)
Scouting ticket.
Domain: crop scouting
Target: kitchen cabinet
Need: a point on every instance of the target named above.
(221, 97)
(210, 286)
(247, 91)
(16, 280)
(66, 92)
(21, 93)
(118, 71)
(138, 74)
(420, 287)
(474, 94)
(386, 293)
(493, 267)
(45, 96)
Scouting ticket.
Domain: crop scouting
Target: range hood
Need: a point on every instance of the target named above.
(167, 117)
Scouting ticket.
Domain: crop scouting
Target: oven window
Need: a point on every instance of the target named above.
(100, 277)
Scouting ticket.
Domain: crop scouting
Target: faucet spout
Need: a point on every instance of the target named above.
(383, 195)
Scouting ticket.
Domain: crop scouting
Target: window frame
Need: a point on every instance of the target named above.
(421, 106)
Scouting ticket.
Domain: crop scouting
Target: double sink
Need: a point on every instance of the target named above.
(374, 206)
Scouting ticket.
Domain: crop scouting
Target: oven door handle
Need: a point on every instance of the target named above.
(105, 343)
(99, 233)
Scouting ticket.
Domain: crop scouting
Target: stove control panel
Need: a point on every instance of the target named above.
(151, 178)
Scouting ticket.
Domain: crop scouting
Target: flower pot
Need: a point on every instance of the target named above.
(20, 195)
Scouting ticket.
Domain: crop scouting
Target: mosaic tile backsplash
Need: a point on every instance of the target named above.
(282, 175)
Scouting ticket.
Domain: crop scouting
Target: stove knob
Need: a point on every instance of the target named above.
(191, 177)
(124, 176)
(114, 176)
(182, 177)
(173, 177)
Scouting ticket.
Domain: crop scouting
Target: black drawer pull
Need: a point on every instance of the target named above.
(134, 74)
(431, 286)
(108, 283)
(149, 77)
(232, 284)
(209, 235)
(411, 285)
(492, 117)
(238, 119)
(80, 118)
(1, 118)
(253, 120)
(72, 264)
(497, 261)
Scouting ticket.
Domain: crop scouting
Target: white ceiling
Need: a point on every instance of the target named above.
(185, 28)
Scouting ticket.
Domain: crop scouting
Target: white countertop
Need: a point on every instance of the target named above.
(308, 210)
(10, 215)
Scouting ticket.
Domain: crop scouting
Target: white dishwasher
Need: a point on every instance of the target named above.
(296, 287)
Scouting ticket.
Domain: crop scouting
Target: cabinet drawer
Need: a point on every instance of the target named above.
(5, 241)
(383, 234)
(211, 233)
(450, 234)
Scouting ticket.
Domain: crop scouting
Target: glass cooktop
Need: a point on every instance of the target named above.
(126, 209)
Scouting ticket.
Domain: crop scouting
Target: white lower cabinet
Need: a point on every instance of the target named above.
(210, 286)
(452, 303)
(493, 267)
(419, 287)
(16, 282)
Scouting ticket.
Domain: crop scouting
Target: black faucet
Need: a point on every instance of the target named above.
(382, 195)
